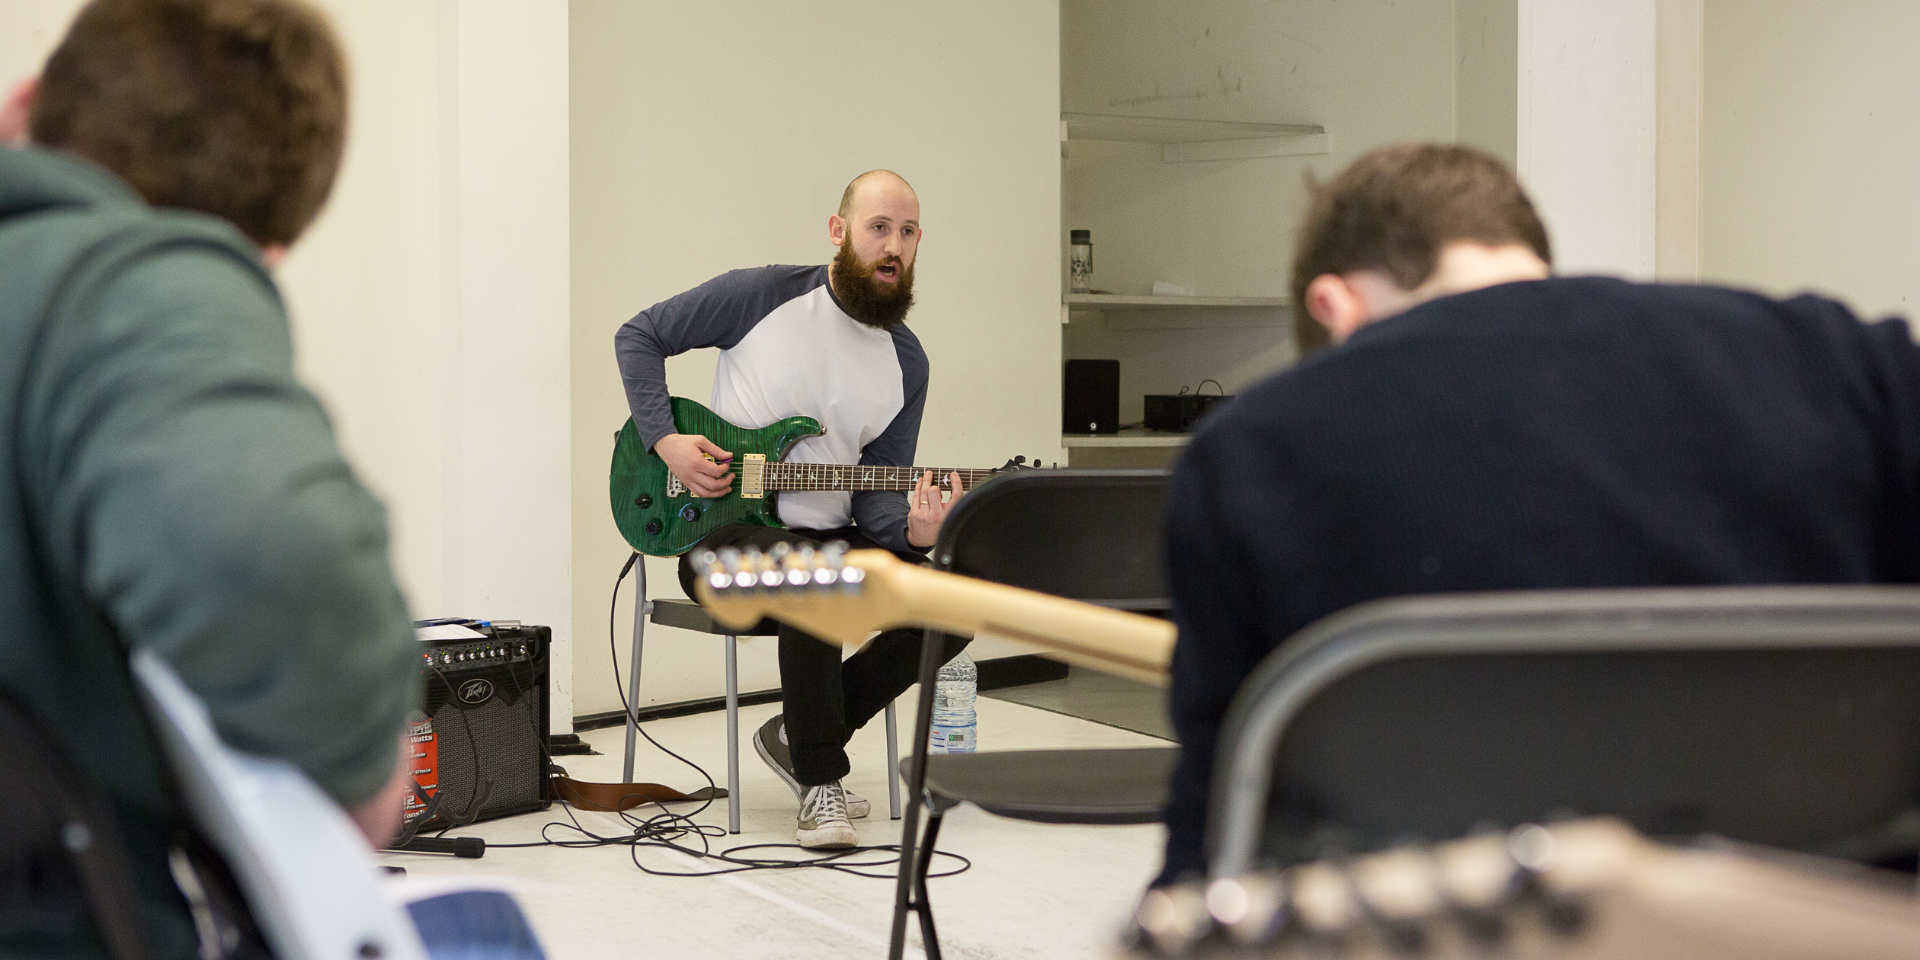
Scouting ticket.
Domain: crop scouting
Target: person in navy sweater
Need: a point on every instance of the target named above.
(827, 341)
(1474, 423)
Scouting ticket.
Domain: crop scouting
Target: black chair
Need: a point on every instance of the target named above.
(1090, 535)
(1783, 716)
(60, 851)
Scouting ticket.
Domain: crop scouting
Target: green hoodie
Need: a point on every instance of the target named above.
(165, 480)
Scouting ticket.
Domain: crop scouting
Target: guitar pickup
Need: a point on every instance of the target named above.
(753, 476)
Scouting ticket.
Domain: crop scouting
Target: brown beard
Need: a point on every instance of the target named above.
(876, 304)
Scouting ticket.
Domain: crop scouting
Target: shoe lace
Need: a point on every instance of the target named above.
(827, 802)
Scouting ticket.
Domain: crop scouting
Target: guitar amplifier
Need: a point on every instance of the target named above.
(479, 741)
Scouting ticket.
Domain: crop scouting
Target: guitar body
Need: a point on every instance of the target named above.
(662, 519)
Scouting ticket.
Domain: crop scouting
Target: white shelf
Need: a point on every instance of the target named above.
(1187, 141)
(1119, 301)
(1130, 437)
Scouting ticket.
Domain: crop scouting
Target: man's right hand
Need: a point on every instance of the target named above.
(702, 466)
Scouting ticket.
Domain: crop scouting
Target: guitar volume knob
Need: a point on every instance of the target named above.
(653, 527)
(643, 501)
(689, 513)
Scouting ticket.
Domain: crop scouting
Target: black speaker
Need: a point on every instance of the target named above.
(479, 742)
(1090, 400)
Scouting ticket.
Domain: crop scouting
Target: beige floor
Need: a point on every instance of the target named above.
(1034, 890)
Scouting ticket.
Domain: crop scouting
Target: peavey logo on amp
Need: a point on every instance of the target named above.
(475, 692)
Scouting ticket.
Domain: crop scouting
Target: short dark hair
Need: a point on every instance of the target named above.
(1395, 208)
(236, 108)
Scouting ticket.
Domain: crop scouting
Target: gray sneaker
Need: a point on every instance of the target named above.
(770, 742)
(823, 823)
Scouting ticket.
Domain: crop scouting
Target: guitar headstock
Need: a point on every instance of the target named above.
(828, 591)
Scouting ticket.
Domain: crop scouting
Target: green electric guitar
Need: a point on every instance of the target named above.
(660, 517)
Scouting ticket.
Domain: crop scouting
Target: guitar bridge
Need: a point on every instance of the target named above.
(674, 486)
(753, 476)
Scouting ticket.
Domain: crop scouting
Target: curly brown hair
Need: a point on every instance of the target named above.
(236, 108)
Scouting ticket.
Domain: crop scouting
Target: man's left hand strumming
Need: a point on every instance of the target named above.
(926, 510)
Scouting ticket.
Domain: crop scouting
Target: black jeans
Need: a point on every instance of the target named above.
(827, 699)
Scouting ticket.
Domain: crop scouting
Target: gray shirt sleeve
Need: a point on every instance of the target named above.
(882, 514)
(718, 313)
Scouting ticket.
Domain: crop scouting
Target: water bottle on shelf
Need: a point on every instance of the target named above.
(955, 725)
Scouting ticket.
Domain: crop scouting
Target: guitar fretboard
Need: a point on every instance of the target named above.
(853, 476)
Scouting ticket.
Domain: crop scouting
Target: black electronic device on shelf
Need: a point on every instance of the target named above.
(1179, 412)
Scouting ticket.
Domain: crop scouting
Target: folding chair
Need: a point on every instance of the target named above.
(1090, 535)
(688, 615)
(1782, 716)
(59, 846)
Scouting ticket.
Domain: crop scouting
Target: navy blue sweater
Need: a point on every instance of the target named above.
(1580, 432)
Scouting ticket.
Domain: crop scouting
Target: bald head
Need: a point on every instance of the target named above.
(884, 180)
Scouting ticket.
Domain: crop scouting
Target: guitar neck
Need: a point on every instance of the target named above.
(846, 600)
(855, 476)
(1112, 641)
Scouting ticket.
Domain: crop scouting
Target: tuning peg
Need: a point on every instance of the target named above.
(1019, 460)
(1173, 918)
(733, 565)
(767, 565)
(716, 571)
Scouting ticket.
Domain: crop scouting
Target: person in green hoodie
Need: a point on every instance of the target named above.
(165, 481)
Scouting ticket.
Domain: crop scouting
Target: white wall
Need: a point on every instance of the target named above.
(1810, 167)
(430, 300)
(713, 136)
(1486, 76)
(31, 28)
(430, 303)
(1586, 130)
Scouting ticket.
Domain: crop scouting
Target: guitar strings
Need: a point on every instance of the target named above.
(800, 477)
(678, 831)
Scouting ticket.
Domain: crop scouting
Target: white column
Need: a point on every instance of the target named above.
(431, 302)
(506, 365)
(1586, 130)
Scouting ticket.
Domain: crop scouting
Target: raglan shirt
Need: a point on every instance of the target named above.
(788, 349)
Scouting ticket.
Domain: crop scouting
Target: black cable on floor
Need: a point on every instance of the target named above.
(671, 831)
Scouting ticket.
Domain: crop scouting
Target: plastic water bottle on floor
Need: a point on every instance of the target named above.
(955, 725)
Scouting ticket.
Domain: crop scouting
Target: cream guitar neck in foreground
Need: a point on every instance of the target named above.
(844, 596)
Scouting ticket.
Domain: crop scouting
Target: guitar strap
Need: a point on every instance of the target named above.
(614, 797)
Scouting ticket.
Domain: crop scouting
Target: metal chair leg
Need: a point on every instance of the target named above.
(733, 735)
(904, 894)
(641, 607)
(893, 764)
(923, 865)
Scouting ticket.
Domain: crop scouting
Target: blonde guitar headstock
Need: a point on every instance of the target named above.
(828, 591)
(1580, 890)
(846, 595)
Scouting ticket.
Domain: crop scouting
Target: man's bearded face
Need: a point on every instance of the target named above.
(865, 293)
